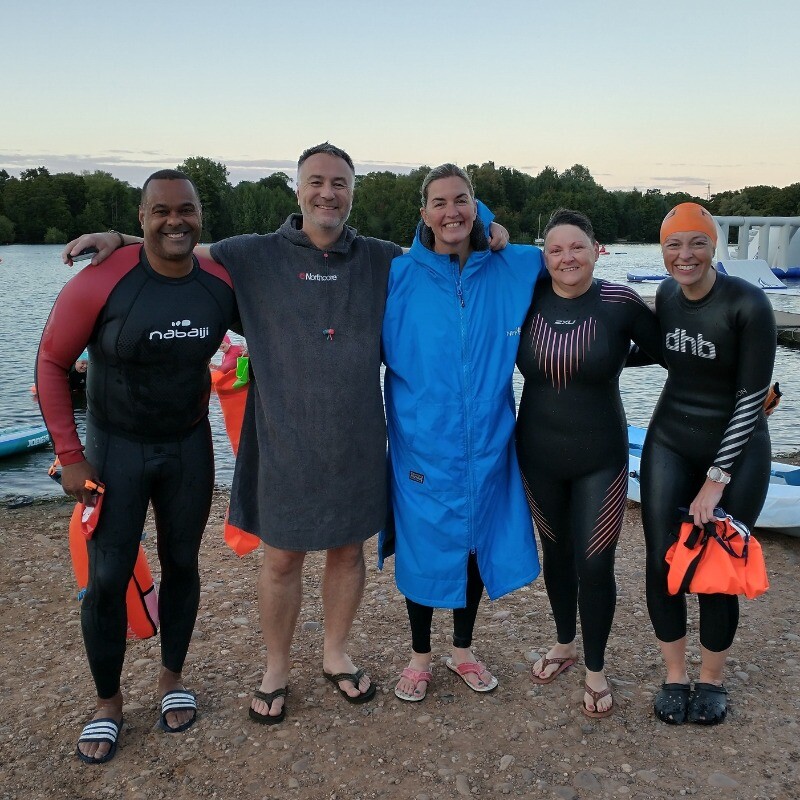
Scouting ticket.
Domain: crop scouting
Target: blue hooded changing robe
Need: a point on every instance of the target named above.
(450, 341)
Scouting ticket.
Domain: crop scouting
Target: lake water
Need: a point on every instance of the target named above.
(33, 275)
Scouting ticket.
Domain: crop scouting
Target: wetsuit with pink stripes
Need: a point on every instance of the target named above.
(572, 445)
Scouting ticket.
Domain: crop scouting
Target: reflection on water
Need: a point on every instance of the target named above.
(34, 274)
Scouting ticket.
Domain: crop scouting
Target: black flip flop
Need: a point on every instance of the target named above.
(268, 697)
(355, 679)
(672, 703)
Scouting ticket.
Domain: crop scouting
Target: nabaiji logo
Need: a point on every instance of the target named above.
(315, 276)
(181, 329)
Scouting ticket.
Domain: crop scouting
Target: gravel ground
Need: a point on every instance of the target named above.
(520, 741)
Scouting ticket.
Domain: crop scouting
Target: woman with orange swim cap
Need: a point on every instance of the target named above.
(707, 445)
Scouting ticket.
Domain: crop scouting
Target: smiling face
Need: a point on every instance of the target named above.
(325, 194)
(688, 257)
(570, 256)
(450, 212)
(171, 219)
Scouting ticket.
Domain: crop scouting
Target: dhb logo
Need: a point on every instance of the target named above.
(680, 341)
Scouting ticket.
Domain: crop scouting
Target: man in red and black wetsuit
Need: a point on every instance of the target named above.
(152, 319)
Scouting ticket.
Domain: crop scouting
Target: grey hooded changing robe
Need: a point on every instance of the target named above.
(311, 468)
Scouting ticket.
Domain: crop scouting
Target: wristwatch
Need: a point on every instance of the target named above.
(717, 475)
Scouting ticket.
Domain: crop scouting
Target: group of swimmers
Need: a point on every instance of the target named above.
(322, 308)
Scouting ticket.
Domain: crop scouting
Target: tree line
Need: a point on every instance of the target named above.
(40, 207)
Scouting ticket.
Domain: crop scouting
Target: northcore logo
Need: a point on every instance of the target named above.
(315, 276)
(681, 342)
(181, 329)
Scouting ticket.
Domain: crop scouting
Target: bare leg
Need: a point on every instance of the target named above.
(712, 667)
(420, 662)
(674, 654)
(107, 707)
(169, 681)
(279, 596)
(342, 588)
(598, 682)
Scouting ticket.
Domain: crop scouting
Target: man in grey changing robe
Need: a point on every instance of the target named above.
(311, 468)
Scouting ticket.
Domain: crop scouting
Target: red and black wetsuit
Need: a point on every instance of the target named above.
(720, 353)
(572, 445)
(150, 339)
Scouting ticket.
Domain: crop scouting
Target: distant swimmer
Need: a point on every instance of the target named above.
(77, 373)
(230, 352)
(152, 318)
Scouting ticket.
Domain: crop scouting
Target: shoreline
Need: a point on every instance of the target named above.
(521, 740)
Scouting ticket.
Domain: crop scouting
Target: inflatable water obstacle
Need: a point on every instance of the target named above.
(781, 511)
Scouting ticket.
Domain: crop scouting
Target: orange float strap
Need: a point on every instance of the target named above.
(141, 596)
(233, 399)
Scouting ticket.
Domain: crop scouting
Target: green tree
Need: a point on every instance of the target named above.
(261, 207)
(55, 236)
(211, 179)
(34, 203)
(109, 203)
(6, 230)
(4, 176)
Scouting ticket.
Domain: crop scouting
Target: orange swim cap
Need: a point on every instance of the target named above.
(689, 217)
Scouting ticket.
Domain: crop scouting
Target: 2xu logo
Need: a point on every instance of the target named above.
(181, 329)
(680, 341)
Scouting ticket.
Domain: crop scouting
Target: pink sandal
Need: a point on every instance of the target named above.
(472, 667)
(418, 676)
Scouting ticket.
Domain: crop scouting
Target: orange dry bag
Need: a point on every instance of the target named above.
(141, 597)
(233, 400)
(722, 557)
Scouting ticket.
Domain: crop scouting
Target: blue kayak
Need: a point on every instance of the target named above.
(16, 439)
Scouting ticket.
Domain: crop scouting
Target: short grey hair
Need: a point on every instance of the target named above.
(328, 149)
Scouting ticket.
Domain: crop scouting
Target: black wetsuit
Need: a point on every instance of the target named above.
(720, 353)
(147, 436)
(572, 445)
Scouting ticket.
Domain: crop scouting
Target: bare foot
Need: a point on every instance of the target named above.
(343, 663)
(169, 681)
(420, 662)
(544, 671)
(598, 682)
(480, 681)
(110, 708)
(273, 679)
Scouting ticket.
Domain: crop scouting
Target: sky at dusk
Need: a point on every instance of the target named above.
(674, 96)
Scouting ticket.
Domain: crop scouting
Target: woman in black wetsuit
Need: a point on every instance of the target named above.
(707, 445)
(572, 441)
